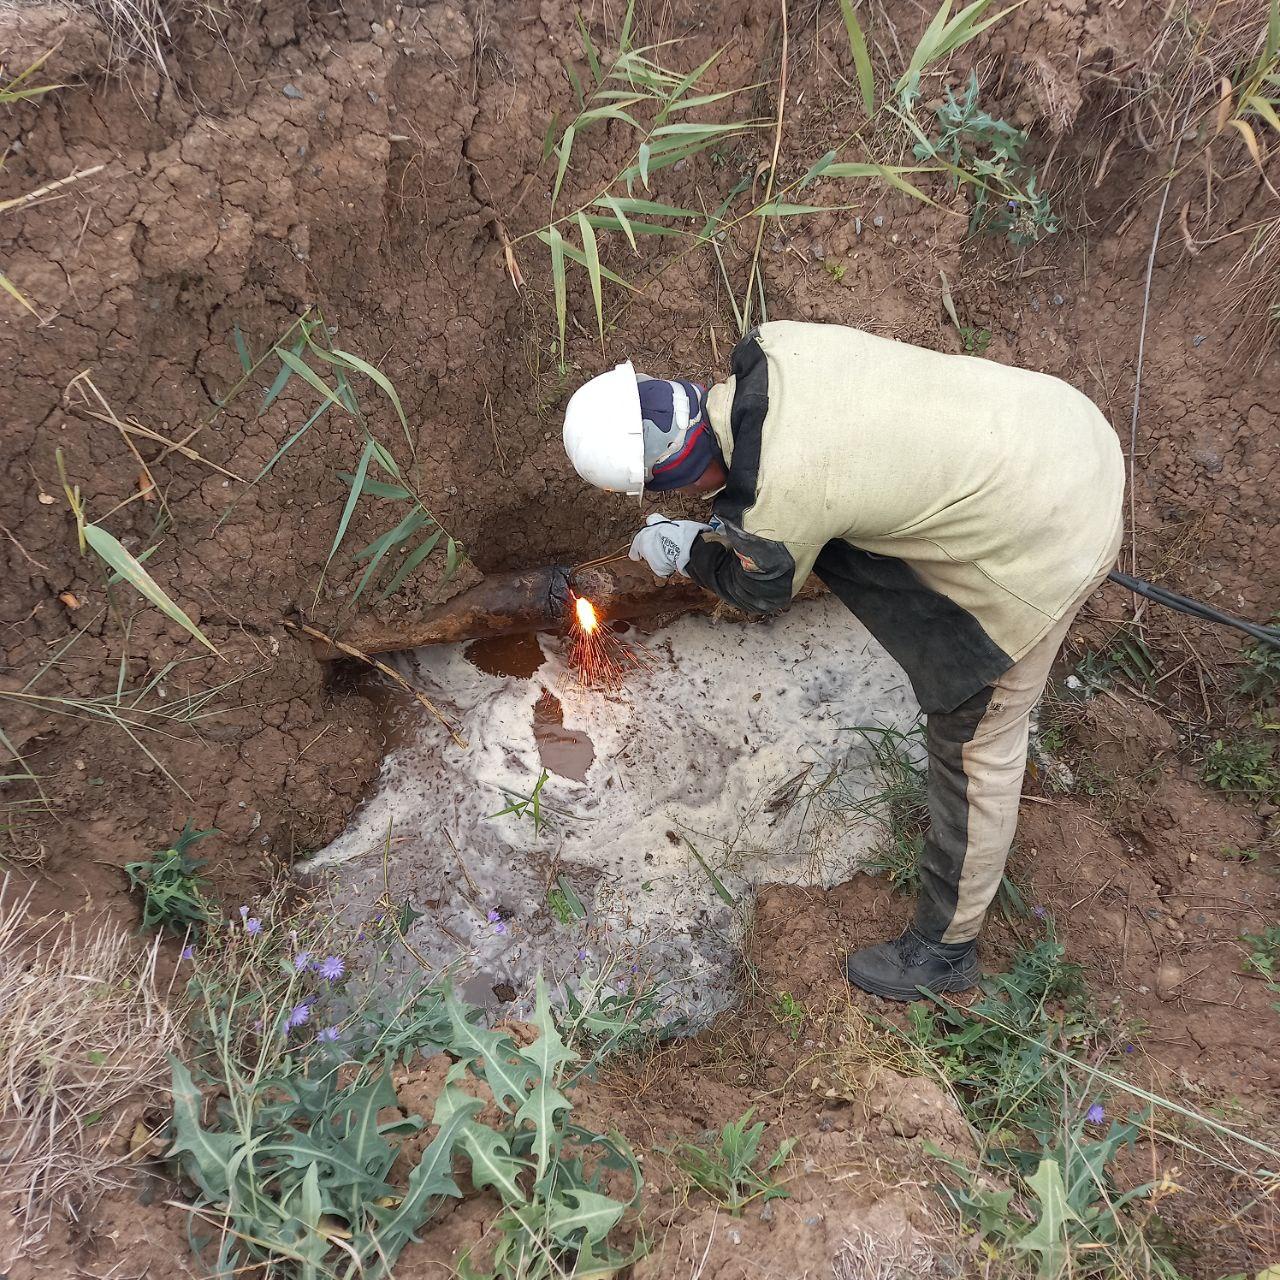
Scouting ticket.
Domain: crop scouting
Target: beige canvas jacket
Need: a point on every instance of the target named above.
(956, 505)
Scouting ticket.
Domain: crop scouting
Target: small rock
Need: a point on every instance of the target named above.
(291, 91)
(504, 991)
(818, 251)
(878, 220)
(1058, 299)
(857, 226)
(1197, 340)
(1035, 304)
(1209, 459)
(1169, 977)
(766, 1214)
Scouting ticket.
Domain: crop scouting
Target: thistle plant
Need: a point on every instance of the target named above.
(282, 1100)
(985, 153)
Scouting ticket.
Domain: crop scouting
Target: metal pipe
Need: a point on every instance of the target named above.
(527, 600)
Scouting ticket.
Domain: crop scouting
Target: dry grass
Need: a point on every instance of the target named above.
(141, 30)
(908, 1257)
(83, 1033)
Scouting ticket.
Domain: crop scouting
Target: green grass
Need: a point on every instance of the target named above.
(1261, 676)
(172, 895)
(1264, 957)
(728, 1165)
(790, 1014)
(1242, 765)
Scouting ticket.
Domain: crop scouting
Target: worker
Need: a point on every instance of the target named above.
(963, 510)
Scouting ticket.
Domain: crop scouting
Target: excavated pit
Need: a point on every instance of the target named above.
(727, 762)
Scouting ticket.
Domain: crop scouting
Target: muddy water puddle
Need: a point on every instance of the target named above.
(575, 872)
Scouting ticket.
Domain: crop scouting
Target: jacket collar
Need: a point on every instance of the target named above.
(719, 404)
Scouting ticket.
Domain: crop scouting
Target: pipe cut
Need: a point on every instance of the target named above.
(528, 600)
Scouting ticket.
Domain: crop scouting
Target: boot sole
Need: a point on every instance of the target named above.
(955, 981)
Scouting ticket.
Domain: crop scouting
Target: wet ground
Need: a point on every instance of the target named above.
(581, 827)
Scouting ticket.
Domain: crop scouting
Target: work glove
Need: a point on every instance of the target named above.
(666, 544)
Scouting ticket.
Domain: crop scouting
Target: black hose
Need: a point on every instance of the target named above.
(1184, 604)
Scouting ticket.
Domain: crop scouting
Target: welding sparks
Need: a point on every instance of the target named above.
(599, 656)
(585, 611)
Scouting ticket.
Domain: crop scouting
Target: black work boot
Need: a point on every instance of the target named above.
(897, 969)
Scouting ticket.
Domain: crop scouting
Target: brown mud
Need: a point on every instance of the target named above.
(368, 160)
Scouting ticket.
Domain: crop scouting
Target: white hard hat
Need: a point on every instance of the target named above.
(604, 433)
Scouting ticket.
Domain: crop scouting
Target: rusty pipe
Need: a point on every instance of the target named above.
(528, 600)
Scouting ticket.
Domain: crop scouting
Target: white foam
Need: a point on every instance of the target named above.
(691, 752)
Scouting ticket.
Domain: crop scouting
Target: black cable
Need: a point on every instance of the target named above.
(1184, 604)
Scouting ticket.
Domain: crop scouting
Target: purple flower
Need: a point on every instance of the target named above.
(253, 926)
(301, 960)
(622, 985)
(188, 952)
(1128, 1048)
(583, 954)
(494, 915)
(1039, 912)
(331, 968)
(499, 927)
(328, 1035)
(299, 1014)
(1095, 1114)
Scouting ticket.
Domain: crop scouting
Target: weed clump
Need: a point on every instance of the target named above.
(1022, 1062)
(172, 896)
(986, 153)
(724, 1164)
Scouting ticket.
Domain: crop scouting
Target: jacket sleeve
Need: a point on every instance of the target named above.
(749, 571)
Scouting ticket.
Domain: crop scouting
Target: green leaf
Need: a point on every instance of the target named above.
(501, 1064)
(546, 1055)
(409, 525)
(357, 487)
(210, 1154)
(377, 549)
(1048, 1237)
(411, 562)
(576, 1210)
(246, 362)
(776, 210)
(861, 59)
(565, 150)
(816, 169)
(556, 242)
(549, 138)
(432, 1177)
(571, 898)
(628, 205)
(624, 224)
(281, 378)
(589, 49)
(645, 152)
(378, 488)
(379, 379)
(603, 222)
(116, 557)
(309, 375)
(716, 883)
(492, 1164)
(592, 252)
(454, 555)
